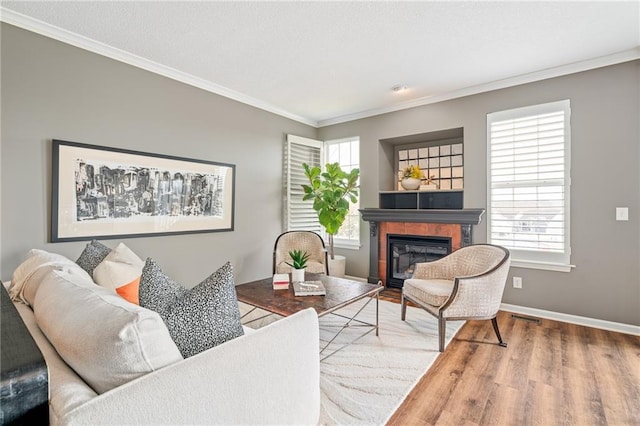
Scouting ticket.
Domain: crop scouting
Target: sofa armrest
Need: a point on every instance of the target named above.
(271, 376)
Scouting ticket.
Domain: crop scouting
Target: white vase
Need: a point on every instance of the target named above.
(337, 266)
(297, 275)
(410, 183)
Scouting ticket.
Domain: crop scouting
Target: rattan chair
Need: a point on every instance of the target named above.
(466, 284)
(307, 241)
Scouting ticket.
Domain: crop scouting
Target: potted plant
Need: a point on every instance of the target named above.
(331, 192)
(411, 176)
(299, 259)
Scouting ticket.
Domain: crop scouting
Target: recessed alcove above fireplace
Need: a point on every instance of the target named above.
(436, 214)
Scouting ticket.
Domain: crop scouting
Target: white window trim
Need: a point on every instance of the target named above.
(347, 244)
(525, 258)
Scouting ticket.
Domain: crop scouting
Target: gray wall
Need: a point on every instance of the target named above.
(605, 175)
(52, 90)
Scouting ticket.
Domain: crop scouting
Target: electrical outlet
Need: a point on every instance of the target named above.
(517, 282)
(622, 213)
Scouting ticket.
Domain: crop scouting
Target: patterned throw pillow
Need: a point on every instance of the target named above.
(92, 255)
(198, 318)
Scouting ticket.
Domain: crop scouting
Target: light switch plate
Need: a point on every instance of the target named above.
(622, 213)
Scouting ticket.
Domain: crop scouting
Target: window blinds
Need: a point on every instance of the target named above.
(298, 214)
(529, 180)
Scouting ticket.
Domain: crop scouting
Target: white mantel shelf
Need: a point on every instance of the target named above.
(461, 216)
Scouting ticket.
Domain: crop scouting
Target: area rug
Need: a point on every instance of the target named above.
(365, 382)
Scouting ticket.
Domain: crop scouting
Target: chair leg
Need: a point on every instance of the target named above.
(442, 329)
(494, 322)
(403, 314)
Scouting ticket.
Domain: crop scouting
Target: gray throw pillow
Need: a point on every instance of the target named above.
(198, 318)
(92, 255)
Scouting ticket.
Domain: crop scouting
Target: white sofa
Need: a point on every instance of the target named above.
(266, 376)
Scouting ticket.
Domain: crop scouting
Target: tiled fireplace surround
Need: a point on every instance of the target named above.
(455, 224)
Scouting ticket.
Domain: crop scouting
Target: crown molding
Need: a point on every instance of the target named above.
(603, 61)
(68, 37)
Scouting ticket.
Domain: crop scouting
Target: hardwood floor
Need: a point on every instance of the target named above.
(551, 373)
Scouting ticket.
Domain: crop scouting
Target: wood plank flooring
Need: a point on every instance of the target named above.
(552, 373)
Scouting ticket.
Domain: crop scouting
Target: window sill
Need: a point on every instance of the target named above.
(547, 266)
(347, 245)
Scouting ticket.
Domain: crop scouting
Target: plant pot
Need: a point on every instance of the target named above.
(410, 183)
(297, 275)
(337, 266)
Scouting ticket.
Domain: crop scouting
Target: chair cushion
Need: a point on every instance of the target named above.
(198, 318)
(431, 292)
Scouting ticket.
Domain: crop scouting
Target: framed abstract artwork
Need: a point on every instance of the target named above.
(103, 192)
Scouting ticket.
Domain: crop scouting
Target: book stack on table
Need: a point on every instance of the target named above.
(309, 288)
(280, 281)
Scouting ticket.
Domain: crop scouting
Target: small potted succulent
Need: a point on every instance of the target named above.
(298, 263)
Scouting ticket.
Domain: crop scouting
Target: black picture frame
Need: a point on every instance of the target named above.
(101, 192)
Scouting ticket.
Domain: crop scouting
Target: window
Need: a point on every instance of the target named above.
(528, 184)
(346, 152)
(298, 214)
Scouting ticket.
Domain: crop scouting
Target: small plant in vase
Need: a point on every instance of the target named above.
(411, 176)
(298, 263)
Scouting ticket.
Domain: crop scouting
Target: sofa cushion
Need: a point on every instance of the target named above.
(120, 271)
(105, 339)
(92, 255)
(37, 264)
(198, 318)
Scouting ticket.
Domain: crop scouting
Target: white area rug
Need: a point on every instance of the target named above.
(366, 382)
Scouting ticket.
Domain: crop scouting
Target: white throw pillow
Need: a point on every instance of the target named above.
(105, 339)
(28, 276)
(120, 271)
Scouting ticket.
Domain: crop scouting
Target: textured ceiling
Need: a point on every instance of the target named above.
(326, 62)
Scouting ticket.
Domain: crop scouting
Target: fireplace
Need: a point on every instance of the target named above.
(404, 251)
(452, 225)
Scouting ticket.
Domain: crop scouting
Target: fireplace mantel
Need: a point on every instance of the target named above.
(458, 216)
(456, 223)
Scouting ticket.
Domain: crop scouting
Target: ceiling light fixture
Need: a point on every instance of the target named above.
(399, 88)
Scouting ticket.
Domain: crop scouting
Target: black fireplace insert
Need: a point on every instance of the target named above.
(404, 251)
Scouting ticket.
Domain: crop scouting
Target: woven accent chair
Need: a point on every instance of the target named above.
(466, 284)
(307, 241)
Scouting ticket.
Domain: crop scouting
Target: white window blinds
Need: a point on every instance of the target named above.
(528, 191)
(299, 215)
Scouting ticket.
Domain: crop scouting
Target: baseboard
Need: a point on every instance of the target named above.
(573, 319)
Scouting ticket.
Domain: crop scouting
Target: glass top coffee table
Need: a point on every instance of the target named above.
(341, 292)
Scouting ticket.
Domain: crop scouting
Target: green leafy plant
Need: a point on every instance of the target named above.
(299, 259)
(412, 171)
(331, 192)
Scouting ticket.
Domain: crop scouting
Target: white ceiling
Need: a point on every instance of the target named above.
(327, 62)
